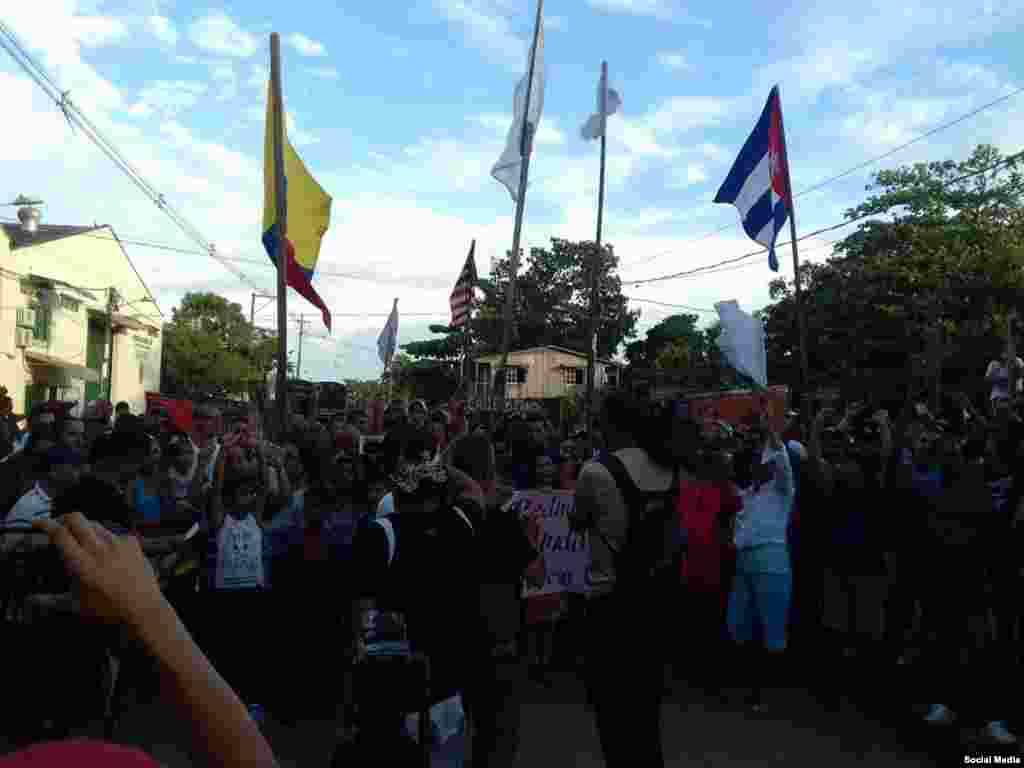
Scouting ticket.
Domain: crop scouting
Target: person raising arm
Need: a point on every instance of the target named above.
(116, 583)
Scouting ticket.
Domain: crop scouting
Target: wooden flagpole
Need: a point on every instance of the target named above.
(595, 265)
(282, 233)
(801, 320)
(525, 147)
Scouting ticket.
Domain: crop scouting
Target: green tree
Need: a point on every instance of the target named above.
(678, 331)
(553, 300)
(211, 349)
(928, 282)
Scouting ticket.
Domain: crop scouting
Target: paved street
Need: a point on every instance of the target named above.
(698, 731)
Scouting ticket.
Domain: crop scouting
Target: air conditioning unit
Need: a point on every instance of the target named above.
(23, 337)
(26, 318)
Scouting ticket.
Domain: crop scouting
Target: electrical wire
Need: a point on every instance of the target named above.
(78, 119)
(815, 233)
(671, 306)
(860, 166)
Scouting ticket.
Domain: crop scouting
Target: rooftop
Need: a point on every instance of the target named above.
(44, 234)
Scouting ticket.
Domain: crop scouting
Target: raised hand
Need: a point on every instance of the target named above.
(114, 579)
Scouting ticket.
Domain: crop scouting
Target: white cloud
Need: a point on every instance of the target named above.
(186, 59)
(685, 113)
(486, 28)
(296, 135)
(259, 76)
(229, 162)
(674, 61)
(163, 29)
(167, 98)
(53, 33)
(223, 73)
(306, 46)
(639, 137)
(97, 31)
(658, 9)
(324, 73)
(217, 32)
(712, 151)
(548, 134)
(688, 176)
(963, 74)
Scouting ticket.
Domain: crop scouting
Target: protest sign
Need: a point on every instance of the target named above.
(566, 554)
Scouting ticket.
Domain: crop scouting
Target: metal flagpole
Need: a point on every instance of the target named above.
(525, 145)
(282, 234)
(801, 320)
(595, 264)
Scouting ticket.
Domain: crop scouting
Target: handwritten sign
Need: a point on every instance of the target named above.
(566, 554)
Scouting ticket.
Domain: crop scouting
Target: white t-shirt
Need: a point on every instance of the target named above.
(1001, 383)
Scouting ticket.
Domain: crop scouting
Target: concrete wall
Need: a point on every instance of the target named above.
(93, 261)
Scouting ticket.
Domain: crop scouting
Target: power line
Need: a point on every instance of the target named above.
(666, 304)
(77, 119)
(815, 233)
(860, 166)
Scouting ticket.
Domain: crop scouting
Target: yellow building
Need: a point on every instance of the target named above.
(59, 286)
(543, 373)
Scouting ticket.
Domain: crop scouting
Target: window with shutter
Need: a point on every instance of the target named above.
(42, 327)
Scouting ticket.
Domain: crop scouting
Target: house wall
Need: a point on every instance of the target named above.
(544, 373)
(92, 261)
(137, 356)
(11, 374)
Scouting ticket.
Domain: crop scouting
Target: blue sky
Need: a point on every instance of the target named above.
(400, 110)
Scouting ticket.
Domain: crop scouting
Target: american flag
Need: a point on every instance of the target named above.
(461, 300)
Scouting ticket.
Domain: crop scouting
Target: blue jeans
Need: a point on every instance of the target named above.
(761, 598)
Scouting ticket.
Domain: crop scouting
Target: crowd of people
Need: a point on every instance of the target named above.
(876, 540)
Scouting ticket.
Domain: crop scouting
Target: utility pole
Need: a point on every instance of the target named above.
(111, 306)
(302, 332)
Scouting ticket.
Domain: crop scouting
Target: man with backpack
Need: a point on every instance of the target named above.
(626, 502)
(417, 611)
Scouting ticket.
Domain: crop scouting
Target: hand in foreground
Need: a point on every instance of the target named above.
(115, 580)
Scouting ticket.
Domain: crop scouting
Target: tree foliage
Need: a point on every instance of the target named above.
(551, 307)
(679, 333)
(928, 282)
(211, 349)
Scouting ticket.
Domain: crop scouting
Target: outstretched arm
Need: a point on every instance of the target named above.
(117, 583)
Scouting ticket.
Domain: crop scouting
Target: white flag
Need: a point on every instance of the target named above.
(507, 169)
(742, 342)
(595, 126)
(388, 337)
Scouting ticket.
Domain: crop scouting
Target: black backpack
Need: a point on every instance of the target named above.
(655, 539)
(430, 585)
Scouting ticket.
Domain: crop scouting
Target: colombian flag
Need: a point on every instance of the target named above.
(309, 215)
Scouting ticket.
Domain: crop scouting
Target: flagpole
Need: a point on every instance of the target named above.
(595, 264)
(465, 382)
(282, 225)
(801, 320)
(525, 145)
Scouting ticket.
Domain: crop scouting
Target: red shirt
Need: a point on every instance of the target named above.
(701, 506)
(61, 754)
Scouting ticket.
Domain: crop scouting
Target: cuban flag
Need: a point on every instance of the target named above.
(758, 184)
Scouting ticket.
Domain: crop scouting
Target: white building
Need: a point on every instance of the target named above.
(59, 285)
